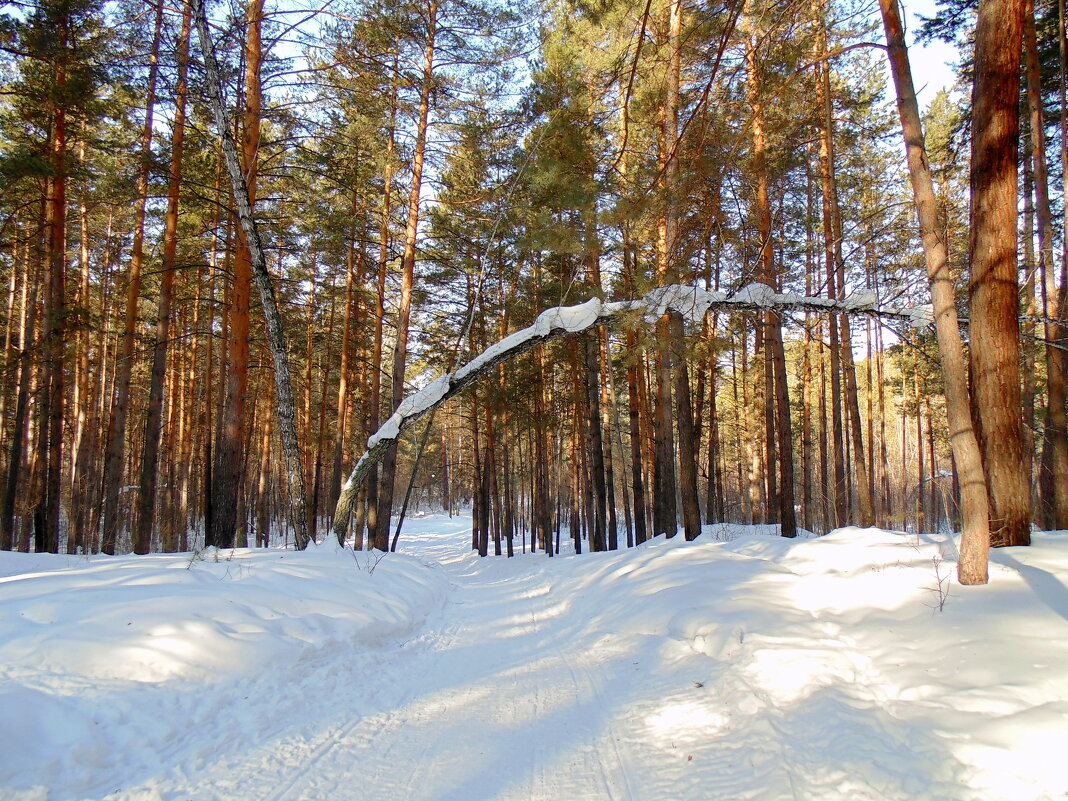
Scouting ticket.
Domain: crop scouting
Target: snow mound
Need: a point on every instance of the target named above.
(109, 655)
(208, 617)
(850, 666)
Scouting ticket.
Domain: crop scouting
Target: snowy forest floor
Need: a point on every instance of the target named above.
(844, 668)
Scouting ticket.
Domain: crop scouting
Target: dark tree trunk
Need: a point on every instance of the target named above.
(595, 449)
(994, 290)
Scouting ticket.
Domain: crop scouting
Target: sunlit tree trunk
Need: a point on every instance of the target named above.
(345, 369)
(228, 470)
(779, 433)
(975, 536)
(665, 512)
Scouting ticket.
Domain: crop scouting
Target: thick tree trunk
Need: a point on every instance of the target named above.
(994, 290)
(54, 374)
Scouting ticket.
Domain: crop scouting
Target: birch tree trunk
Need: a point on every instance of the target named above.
(283, 385)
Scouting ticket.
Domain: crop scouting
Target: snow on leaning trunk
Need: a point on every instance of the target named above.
(691, 303)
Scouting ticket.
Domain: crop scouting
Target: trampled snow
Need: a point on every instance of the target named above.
(740, 666)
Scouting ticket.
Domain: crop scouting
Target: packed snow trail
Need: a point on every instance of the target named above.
(490, 701)
(755, 668)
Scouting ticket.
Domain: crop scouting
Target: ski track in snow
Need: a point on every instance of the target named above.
(501, 725)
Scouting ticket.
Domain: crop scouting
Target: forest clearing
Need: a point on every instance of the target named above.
(739, 666)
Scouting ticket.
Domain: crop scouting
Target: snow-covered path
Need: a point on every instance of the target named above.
(712, 671)
(491, 700)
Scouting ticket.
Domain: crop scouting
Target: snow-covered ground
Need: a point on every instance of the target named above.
(843, 668)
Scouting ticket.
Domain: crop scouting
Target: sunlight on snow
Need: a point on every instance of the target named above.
(685, 722)
(1022, 754)
(887, 587)
(789, 674)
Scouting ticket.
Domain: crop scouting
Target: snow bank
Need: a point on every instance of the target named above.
(851, 666)
(109, 657)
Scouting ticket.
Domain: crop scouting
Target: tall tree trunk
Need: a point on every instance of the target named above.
(975, 536)
(114, 458)
(665, 511)
(1056, 439)
(84, 426)
(375, 402)
(343, 378)
(241, 184)
(994, 290)
(779, 431)
(227, 474)
(16, 463)
(839, 500)
(635, 359)
(53, 379)
(836, 264)
(404, 310)
(143, 520)
(1062, 293)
